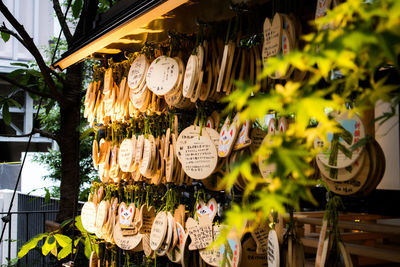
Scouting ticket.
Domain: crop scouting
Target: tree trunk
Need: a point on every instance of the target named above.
(69, 143)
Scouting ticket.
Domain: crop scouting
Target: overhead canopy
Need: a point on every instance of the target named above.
(129, 24)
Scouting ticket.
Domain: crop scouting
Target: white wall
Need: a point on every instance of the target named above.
(387, 136)
(37, 16)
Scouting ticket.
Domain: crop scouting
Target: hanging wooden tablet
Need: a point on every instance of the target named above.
(249, 255)
(211, 255)
(95, 153)
(137, 71)
(108, 81)
(345, 255)
(147, 157)
(257, 135)
(343, 174)
(185, 251)
(272, 37)
(139, 149)
(147, 217)
(201, 233)
(88, 216)
(175, 254)
(260, 236)
(126, 154)
(273, 249)
(158, 230)
(101, 216)
(353, 185)
(126, 242)
(189, 80)
(322, 246)
(243, 139)
(339, 153)
(223, 66)
(93, 261)
(146, 245)
(199, 157)
(162, 250)
(162, 75)
(267, 168)
(227, 137)
(322, 7)
(230, 253)
(125, 215)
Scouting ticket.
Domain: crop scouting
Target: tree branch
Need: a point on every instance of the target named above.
(30, 45)
(62, 20)
(25, 88)
(34, 131)
(4, 29)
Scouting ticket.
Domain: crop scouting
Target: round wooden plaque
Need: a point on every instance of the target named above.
(162, 75)
(137, 72)
(353, 185)
(158, 230)
(88, 217)
(168, 238)
(355, 131)
(343, 174)
(126, 154)
(199, 157)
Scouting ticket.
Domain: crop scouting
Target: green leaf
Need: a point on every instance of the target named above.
(6, 114)
(30, 245)
(88, 247)
(19, 64)
(63, 240)
(64, 252)
(78, 224)
(5, 36)
(76, 8)
(48, 245)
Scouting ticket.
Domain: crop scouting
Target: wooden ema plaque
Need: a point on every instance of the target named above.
(227, 137)
(162, 250)
(243, 139)
(353, 185)
(260, 236)
(201, 233)
(191, 132)
(272, 37)
(101, 216)
(257, 135)
(158, 230)
(250, 257)
(162, 75)
(126, 154)
(230, 253)
(211, 255)
(343, 174)
(148, 215)
(175, 253)
(88, 217)
(199, 157)
(126, 242)
(339, 153)
(137, 71)
(273, 249)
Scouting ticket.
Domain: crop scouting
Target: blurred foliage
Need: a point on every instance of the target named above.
(352, 60)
